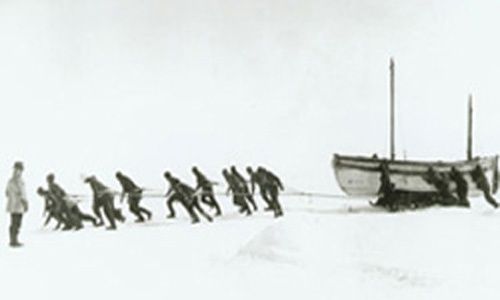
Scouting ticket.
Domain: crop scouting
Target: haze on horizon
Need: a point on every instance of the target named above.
(96, 87)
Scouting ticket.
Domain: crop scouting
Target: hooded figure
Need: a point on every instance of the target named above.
(17, 203)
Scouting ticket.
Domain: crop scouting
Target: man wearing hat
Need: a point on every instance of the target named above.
(17, 204)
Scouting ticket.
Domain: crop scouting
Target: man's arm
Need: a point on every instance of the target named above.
(22, 194)
(122, 196)
(229, 189)
(276, 180)
(252, 184)
(169, 191)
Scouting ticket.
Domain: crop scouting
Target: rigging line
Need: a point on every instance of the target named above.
(81, 197)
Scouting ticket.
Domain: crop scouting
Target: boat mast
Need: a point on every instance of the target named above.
(393, 151)
(469, 130)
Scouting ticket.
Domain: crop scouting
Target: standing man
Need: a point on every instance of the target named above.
(207, 191)
(17, 204)
(134, 196)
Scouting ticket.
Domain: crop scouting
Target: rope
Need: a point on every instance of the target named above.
(290, 192)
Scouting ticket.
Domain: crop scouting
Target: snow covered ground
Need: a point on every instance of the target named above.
(321, 249)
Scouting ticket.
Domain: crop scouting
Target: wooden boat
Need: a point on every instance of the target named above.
(360, 175)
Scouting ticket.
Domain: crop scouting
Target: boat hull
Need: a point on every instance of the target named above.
(360, 176)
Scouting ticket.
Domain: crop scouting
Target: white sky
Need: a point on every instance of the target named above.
(144, 86)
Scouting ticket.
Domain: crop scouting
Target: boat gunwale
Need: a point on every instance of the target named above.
(338, 158)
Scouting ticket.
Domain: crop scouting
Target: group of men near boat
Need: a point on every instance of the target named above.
(393, 199)
(64, 209)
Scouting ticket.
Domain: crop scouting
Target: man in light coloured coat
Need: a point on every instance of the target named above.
(17, 203)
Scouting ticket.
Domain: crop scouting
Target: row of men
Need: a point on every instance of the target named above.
(60, 206)
(393, 199)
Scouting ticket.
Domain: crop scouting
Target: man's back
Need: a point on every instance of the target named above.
(127, 184)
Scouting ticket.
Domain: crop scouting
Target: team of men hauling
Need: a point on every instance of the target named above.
(394, 200)
(60, 206)
(65, 211)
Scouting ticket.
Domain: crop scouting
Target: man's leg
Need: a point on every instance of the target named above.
(65, 217)
(74, 216)
(170, 205)
(250, 199)
(145, 211)
(47, 219)
(490, 199)
(84, 217)
(96, 209)
(205, 199)
(215, 205)
(109, 211)
(118, 214)
(192, 214)
(265, 197)
(274, 198)
(15, 225)
(196, 206)
(133, 203)
(240, 201)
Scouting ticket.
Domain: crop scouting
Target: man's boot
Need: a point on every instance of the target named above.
(13, 238)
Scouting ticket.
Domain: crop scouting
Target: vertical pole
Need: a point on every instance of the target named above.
(469, 129)
(393, 151)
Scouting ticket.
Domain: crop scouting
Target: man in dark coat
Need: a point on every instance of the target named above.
(238, 191)
(66, 208)
(183, 193)
(207, 191)
(134, 194)
(482, 183)
(272, 186)
(103, 199)
(386, 193)
(52, 209)
(76, 216)
(462, 187)
(58, 195)
(442, 184)
(245, 190)
(258, 179)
